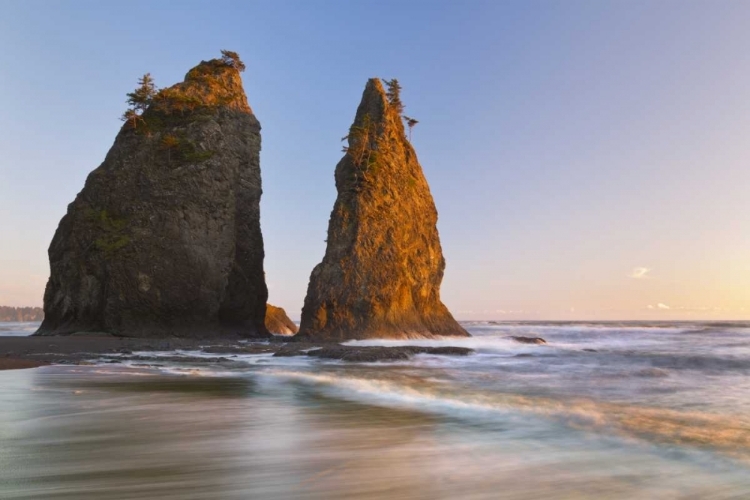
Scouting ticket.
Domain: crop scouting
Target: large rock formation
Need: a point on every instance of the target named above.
(164, 239)
(278, 322)
(381, 274)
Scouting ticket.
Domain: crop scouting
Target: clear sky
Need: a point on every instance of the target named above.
(589, 159)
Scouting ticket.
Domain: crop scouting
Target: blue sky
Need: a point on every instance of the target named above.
(568, 145)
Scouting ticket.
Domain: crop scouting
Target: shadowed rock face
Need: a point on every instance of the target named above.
(164, 239)
(381, 274)
(278, 322)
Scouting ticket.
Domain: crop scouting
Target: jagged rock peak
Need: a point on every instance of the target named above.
(164, 239)
(374, 105)
(214, 83)
(381, 273)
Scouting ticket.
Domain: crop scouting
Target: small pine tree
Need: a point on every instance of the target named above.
(131, 117)
(168, 143)
(394, 94)
(410, 122)
(360, 149)
(141, 97)
(233, 60)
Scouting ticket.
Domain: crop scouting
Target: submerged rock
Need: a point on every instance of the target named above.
(529, 340)
(294, 349)
(370, 354)
(278, 322)
(381, 274)
(164, 239)
(250, 348)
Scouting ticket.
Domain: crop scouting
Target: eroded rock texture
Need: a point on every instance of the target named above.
(164, 239)
(381, 274)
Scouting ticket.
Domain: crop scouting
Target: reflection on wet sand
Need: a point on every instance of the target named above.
(89, 433)
(728, 434)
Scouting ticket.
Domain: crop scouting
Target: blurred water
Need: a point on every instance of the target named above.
(17, 329)
(655, 411)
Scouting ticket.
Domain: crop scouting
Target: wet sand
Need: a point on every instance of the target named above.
(600, 411)
(30, 352)
(7, 363)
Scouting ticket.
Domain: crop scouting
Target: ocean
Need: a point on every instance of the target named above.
(632, 410)
(17, 329)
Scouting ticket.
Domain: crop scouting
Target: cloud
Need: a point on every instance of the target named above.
(640, 273)
(702, 309)
(661, 306)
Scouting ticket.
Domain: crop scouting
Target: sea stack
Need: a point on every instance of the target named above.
(164, 239)
(381, 273)
(278, 322)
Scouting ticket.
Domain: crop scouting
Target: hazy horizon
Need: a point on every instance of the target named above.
(587, 159)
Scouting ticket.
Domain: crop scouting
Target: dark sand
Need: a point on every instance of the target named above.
(30, 352)
(19, 364)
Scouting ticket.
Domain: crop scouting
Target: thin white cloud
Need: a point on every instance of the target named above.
(690, 309)
(660, 305)
(640, 273)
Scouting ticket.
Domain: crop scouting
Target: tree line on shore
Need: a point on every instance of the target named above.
(21, 313)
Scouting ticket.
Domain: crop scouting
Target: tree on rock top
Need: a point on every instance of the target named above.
(394, 94)
(232, 59)
(139, 100)
(141, 97)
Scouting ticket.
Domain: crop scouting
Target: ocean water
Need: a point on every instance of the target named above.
(17, 329)
(604, 410)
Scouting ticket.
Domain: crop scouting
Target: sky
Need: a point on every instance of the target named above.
(588, 159)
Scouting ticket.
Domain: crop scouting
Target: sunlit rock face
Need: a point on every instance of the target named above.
(164, 239)
(278, 322)
(381, 274)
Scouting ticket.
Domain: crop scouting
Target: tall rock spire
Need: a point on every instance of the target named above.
(164, 239)
(381, 274)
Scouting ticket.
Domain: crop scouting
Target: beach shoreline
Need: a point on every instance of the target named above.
(31, 352)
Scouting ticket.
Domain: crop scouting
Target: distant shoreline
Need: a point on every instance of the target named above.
(21, 314)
